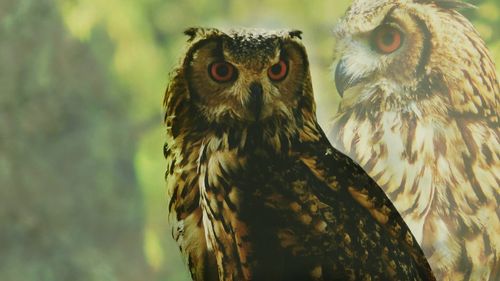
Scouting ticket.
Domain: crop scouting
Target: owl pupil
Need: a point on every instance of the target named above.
(222, 70)
(276, 69)
(388, 38)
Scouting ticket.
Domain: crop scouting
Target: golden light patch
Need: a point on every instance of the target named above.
(295, 207)
(317, 272)
(287, 238)
(306, 219)
(310, 162)
(321, 226)
(361, 198)
(381, 215)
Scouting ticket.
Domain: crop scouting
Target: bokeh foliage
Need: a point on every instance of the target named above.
(81, 166)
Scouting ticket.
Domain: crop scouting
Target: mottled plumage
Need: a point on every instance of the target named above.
(420, 114)
(255, 190)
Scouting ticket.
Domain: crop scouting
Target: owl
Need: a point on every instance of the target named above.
(420, 114)
(255, 190)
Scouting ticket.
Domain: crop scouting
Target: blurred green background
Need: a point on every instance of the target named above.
(81, 167)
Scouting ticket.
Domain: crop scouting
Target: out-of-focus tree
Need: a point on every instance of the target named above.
(81, 89)
(71, 208)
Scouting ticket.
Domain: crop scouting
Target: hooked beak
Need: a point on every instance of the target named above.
(344, 80)
(256, 99)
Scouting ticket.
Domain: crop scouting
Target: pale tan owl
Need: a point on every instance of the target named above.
(255, 190)
(420, 114)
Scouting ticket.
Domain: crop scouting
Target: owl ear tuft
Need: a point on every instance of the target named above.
(295, 34)
(201, 32)
(192, 32)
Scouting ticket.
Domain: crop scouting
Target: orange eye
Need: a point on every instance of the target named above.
(221, 71)
(278, 71)
(387, 39)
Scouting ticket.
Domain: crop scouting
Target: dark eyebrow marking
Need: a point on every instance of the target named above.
(218, 51)
(388, 16)
(425, 54)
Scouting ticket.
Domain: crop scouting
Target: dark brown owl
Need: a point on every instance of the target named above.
(420, 114)
(255, 190)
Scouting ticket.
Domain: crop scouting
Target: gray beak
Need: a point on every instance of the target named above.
(256, 99)
(343, 80)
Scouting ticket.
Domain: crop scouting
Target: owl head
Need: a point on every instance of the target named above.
(238, 78)
(400, 54)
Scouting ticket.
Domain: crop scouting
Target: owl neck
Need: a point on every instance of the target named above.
(187, 129)
(274, 137)
(415, 102)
